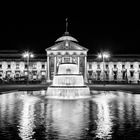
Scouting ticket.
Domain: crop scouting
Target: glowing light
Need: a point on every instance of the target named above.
(68, 118)
(100, 56)
(104, 121)
(103, 55)
(26, 124)
(31, 55)
(68, 86)
(28, 54)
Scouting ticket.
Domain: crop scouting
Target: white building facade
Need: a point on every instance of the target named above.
(119, 68)
(66, 50)
(119, 71)
(13, 66)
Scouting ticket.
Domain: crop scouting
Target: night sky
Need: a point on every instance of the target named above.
(116, 38)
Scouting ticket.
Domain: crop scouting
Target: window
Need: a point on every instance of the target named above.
(0, 66)
(90, 66)
(115, 75)
(66, 59)
(115, 66)
(17, 66)
(9, 66)
(25, 66)
(43, 66)
(106, 66)
(90, 73)
(34, 66)
(139, 66)
(98, 75)
(98, 66)
(131, 66)
(123, 66)
(131, 73)
(17, 75)
(43, 73)
(34, 72)
(106, 75)
(124, 74)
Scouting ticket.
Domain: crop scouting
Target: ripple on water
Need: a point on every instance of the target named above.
(106, 115)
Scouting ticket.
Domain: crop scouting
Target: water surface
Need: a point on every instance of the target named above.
(106, 115)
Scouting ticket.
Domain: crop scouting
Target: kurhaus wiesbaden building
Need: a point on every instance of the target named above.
(66, 49)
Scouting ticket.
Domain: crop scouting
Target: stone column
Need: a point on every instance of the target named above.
(54, 65)
(78, 62)
(48, 69)
(85, 71)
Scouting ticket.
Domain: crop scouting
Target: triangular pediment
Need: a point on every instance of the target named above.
(67, 45)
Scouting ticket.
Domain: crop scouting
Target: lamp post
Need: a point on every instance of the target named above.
(28, 55)
(103, 56)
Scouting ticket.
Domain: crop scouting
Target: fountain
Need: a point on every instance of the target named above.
(68, 83)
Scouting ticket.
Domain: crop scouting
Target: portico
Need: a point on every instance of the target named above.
(66, 50)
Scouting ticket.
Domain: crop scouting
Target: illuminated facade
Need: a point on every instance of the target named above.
(13, 65)
(124, 68)
(66, 50)
(118, 68)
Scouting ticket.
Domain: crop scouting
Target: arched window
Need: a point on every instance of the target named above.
(131, 73)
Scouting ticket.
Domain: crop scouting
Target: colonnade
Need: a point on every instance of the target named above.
(56, 57)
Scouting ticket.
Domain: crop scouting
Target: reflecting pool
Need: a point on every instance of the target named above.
(106, 115)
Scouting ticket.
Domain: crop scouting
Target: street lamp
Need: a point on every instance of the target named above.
(103, 56)
(28, 55)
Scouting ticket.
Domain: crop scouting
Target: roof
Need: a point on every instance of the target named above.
(66, 37)
(67, 45)
(8, 56)
(116, 58)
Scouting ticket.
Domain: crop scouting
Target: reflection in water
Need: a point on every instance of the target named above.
(128, 112)
(108, 115)
(67, 117)
(7, 108)
(104, 119)
(26, 122)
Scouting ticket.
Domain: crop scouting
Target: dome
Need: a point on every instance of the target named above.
(66, 36)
